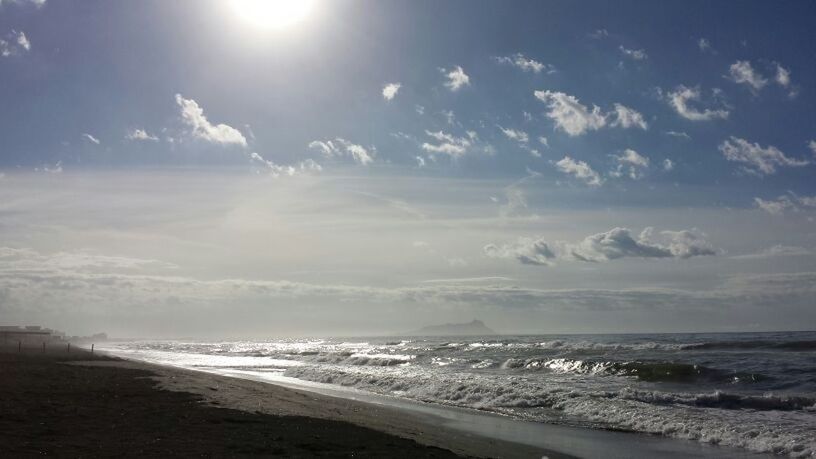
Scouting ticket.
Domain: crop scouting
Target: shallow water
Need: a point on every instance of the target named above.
(755, 391)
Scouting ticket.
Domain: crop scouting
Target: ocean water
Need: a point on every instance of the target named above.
(755, 391)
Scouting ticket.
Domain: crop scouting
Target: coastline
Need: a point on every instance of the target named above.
(86, 404)
(463, 431)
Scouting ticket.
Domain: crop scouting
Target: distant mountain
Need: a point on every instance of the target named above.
(474, 328)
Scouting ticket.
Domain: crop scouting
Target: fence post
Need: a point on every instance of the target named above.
(92, 348)
(69, 347)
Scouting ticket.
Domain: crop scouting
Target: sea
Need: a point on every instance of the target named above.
(749, 391)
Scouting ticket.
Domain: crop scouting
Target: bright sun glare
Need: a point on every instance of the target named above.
(272, 13)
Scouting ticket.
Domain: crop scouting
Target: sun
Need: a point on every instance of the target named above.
(274, 14)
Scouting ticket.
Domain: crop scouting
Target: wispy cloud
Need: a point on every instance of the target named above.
(340, 147)
(680, 100)
(575, 118)
(756, 159)
(579, 170)
(457, 78)
(634, 54)
(140, 135)
(524, 63)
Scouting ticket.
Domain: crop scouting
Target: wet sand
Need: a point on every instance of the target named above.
(77, 404)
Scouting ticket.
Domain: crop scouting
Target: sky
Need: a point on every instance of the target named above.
(234, 169)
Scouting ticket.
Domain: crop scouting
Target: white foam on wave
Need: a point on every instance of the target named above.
(778, 432)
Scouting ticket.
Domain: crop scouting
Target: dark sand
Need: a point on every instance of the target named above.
(81, 405)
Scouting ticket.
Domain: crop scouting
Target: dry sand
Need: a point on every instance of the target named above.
(76, 404)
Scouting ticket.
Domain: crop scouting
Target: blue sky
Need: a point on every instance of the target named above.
(547, 166)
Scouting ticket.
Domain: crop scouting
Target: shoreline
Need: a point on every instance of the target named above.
(83, 404)
(464, 431)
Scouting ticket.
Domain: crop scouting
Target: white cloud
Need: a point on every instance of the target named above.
(450, 117)
(598, 34)
(276, 170)
(668, 164)
(580, 170)
(741, 72)
(704, 45)
(634, 54)
(569, 114)
(448, 144)
(755, 159)
(574, 118)
(35, 3)
(341, 147)
(679, 99)
(543, 141)
(515, 134)
(812, 146)
(420, 161)
(786, 202)
(14, 44)
(419, 109)
(626, 117)
(776, 251)
(390, 90)
(91, 139)
(678, 134)
(457, 78)
(524, 63)
(782, 76)
(614, 244)
(192, 115)
(55, 169)
(631, 163)
(140, 135)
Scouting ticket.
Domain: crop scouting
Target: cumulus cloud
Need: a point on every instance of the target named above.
(575, 118)
(630, 163)
(449, 144)
(192, 115)
(91, 139)
(754, 158)
(626, 117)
(680, 100)
(704, 45)
(569, 114)
(614, 244)
(340, 147)
(140, 135)
(14, 44)
(741, 72)
(276, 170)
(634, 54)
(515, 134)
(524, 63)
(580, 170)
(390, 90)
(668, 164)
(457, 78)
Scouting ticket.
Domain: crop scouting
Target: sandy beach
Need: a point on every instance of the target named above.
(78, 404)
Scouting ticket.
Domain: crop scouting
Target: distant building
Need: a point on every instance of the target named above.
(29, 335)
